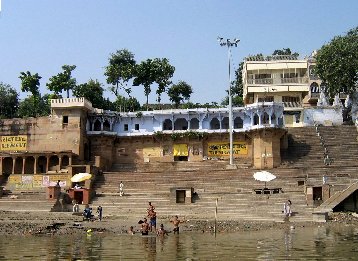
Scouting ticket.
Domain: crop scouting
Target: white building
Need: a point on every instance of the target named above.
(287, 79)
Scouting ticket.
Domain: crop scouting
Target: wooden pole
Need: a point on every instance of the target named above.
(216, 216)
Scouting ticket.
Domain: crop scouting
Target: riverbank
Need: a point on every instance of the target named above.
(51, 223)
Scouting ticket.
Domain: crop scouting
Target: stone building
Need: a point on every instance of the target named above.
(37, 152)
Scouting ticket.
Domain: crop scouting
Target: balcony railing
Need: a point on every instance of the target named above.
(299, 80)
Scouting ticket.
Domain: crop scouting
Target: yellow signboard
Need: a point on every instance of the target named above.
(180, 150)
(152, 152)
(13, 143)
(216, 149)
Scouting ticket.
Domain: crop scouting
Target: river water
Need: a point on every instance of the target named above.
(319, 243)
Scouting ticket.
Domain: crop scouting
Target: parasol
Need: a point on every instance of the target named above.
(264, 176)
(80, 177)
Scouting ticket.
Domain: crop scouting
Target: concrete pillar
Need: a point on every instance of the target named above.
(59, 162)
(35, 164)
(13, 165)
(47, 163)
(260, 119)
(23, 165)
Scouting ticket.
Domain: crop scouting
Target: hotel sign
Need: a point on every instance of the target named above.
(13, 143)
(216, 149)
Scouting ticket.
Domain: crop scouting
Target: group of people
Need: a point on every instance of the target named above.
(152, 225)
(87, 213)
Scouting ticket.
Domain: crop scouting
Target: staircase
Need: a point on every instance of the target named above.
(211, 181)
(34, 201)
(302, 163)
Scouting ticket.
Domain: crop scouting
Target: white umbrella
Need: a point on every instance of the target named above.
(80, 177)
(264, 176)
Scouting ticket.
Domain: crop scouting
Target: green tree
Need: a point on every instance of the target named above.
(63, 81)
(237, 101)
(34, 106)
(285, 51)
(163, 72)
(337, 63)
(9, 101)
(236, 88)
(30, 83)
(92, 91)
(123, 104)
(179, 92)
(120, 69)
(153, 71)
(144, 75)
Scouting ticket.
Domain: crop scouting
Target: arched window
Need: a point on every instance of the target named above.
(266, 118)
(194, 124)
(225, 123)
(97, 125)
(256, 119)
(167, 125)
(214, 124)
(181, 124)
(238, 123)
(106, 126)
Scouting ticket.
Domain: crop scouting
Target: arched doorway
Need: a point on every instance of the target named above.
(29, 165)
(256, 119)
(194, 124)
(214, 124)
(181, 124)
(238, 123)
(7, 165)
(266, 119)
(167, 125)
(225, 123)
(18, 165)
(53, 162)
(41, 164)
(65, 161)
(106, 126)
(97, 125)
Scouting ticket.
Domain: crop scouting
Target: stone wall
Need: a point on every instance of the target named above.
(164, 149)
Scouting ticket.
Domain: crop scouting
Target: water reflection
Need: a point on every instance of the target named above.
(319, 243)
(149, 244)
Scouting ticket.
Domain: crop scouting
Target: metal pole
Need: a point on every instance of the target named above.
(230, 111)
(229, 43)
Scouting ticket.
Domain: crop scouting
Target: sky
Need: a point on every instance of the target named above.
(41, 36)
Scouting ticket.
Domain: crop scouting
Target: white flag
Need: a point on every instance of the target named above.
(0, 5)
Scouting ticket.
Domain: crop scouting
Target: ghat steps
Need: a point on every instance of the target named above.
(233, 189)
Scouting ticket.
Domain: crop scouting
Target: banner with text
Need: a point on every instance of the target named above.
(13, 143)
(216, 149)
